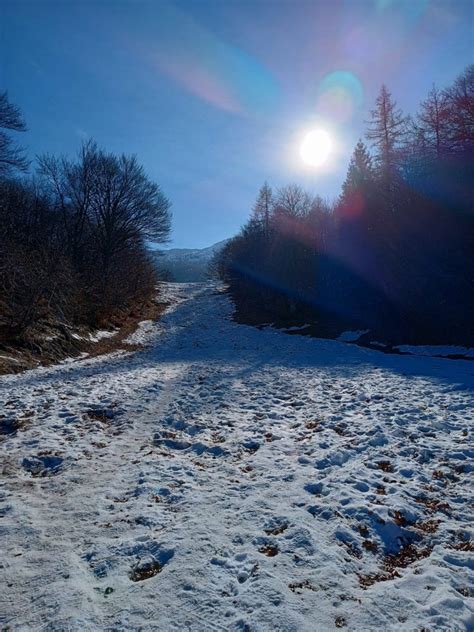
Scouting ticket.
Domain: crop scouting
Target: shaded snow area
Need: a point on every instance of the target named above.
(437, 350)
(228, 478)
(352, 336)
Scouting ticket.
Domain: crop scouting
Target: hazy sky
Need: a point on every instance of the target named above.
(215, 96)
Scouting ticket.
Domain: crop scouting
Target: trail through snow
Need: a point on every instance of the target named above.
(226, 478)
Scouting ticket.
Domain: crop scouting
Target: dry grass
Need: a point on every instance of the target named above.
(407, 555)
(15, 359)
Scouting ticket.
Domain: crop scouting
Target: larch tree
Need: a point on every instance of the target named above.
(460, 97)
(387, 130)
(432, 125)
(263, 207)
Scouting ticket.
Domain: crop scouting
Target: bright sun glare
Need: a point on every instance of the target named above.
(316, 147)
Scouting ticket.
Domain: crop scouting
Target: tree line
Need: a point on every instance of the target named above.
(394, 254)
(73, 235)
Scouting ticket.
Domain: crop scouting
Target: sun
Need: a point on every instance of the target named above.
(316, 147)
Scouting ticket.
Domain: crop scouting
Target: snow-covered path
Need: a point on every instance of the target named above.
(227, 478)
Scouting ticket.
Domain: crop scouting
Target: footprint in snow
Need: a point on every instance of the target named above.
(276, 525)
(239, 566)
(266, 546)
(43, 465)
(144, 559)
(182, 445)
(10, 426)
(172, 444)
(149, 566)
(314, 488)
(251, 445)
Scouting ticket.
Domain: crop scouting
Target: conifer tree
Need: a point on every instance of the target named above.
(263, 206)
(432, 126)
(360, 172)
(460, 97)
(387, 130)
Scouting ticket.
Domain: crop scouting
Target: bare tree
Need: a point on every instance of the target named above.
(108, 195)
(293, 201)
(12, 156)
(109, 208)
(70, 187)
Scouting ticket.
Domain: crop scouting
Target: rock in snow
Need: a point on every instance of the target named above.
(230, 478)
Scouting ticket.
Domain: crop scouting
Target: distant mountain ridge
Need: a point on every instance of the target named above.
(187, 265)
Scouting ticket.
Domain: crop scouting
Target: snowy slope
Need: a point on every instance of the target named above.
(277, 482)
(187, 264)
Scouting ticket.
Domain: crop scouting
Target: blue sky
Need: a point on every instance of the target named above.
(214, 96)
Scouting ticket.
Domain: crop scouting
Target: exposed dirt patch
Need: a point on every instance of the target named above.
(145, 570)
(432, 504)
(369, 580)
(370, 545)
(104, 415)
(462, 542)
(298, 587)
(270, 550)
(407, 555)
(385, 466)
(10, 426)
(427, 526)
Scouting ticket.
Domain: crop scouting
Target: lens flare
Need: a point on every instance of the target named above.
(209, 67)
(315, 148)
(340, 95)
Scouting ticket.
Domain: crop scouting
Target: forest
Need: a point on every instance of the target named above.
(394, 255)
(72, 238)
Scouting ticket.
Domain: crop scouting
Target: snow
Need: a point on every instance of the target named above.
(10, 358)
(231, 478)
(182, 254)
(437, 350)
(187, 264)
(352, 336)
(100, 334)
(298, 328)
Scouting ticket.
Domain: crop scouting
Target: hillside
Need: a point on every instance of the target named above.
(186, 265)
